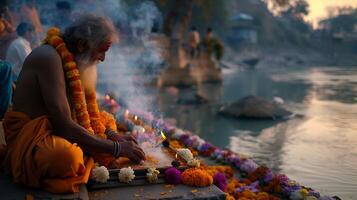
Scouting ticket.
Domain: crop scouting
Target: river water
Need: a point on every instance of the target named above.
(317, 149)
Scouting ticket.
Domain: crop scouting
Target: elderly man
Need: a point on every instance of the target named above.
(53, 129)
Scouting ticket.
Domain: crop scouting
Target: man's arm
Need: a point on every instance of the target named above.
(51, 79)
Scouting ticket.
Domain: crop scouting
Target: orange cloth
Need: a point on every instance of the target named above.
(36, 158)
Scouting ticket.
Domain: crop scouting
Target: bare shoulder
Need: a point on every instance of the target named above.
(44, 57)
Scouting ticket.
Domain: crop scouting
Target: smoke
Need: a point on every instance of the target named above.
(145, 18)
(132, 64)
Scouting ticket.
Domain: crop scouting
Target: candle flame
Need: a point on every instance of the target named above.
(163, 135)
(176, 156)
(135, 117)
(143, 130)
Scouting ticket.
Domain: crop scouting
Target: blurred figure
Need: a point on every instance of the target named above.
(193, 41)
(7, 32)
(20, 48)
(209, 34)
(212, 45)
(63, 15)
(5, 87)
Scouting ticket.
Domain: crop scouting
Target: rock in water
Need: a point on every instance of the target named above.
(255, 107)
(196, 99)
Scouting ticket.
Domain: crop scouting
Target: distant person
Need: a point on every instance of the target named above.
(20, 48)
(212, 44)
(209, 34)
(193, 41)
(63, 16)
(5, 87)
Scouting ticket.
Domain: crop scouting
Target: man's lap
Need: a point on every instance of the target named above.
(55, 157)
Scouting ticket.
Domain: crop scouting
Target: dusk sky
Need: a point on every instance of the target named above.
(318, 7)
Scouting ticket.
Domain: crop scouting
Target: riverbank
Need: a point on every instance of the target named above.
(291, 56)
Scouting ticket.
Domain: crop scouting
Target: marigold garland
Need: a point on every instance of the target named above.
(226, 170)
(85, 110)
(196, 177)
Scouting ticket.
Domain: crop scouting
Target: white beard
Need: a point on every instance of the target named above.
(88, 76)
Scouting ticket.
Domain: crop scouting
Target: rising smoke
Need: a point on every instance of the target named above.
(130, 64)
(136, 60)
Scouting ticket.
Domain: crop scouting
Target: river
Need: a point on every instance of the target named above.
(317, 149)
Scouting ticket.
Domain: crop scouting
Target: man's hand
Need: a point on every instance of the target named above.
(132, 151)
(112, 135)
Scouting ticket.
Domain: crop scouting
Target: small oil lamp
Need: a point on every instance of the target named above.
(163, 139)
(126, 114)
(175, 163)
(107, 97)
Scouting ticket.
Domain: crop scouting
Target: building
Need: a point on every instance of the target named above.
(243, 30)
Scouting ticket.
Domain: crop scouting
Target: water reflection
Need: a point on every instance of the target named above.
(318, 150)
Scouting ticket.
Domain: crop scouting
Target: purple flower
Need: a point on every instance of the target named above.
(216, 153)
(268, 176)
(289, 189)
(168, 129)
(314, 193)
(173, 176)
(248, 166)
(189, 141)
(184, 138)
(204, 147)
(252, 187)
(283, 179)
(219, 179)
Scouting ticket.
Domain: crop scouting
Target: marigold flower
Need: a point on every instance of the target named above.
(55, 41)
(61, 48)
(196, 177)
(53, 31)
(70, 65)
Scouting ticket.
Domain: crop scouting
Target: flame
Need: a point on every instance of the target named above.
(143, 130)
(176, 156)
(107, 97)
(163, 136)
(135, 117)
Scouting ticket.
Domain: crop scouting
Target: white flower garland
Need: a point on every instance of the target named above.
(194, 163)
(186, 154)
(152, 175)
(100, 174)
(126, 175)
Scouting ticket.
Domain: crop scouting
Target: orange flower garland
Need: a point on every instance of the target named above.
(94, 114)
(196, 177)
(109, 121)
(72, 74)
(226, 170)
(85, 109)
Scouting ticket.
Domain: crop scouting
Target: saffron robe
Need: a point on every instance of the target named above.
(36, 158)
